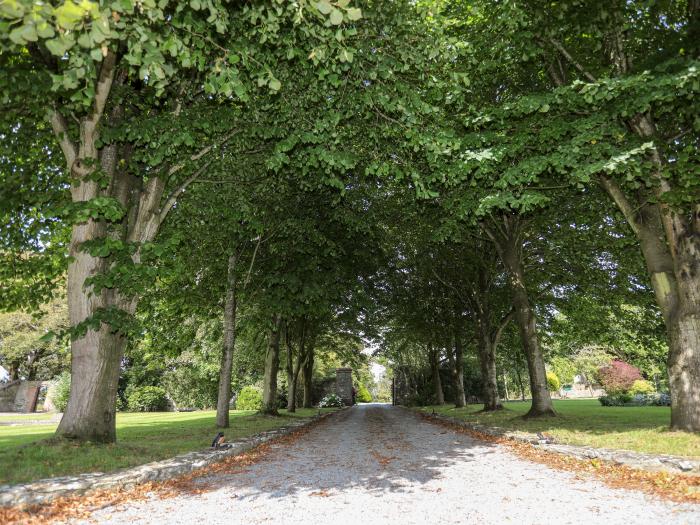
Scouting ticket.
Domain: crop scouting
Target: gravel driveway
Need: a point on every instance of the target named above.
(380, 464)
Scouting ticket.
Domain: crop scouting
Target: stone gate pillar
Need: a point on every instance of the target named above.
(343, 384)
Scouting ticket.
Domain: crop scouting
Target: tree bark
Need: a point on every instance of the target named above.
(505, 386)
(434, 354)
(460, 399)
(224, 395)
(487, 362)
(521, 386)
(272, 363)
(508, 240)
(291, 378)
(308, 371)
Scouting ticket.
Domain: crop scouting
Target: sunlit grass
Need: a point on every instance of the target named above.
(141, 438)
(586, 422)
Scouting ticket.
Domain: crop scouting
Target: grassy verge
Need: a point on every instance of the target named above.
(586, 422)
(141, 437)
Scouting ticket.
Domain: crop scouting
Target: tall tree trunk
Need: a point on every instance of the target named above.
(521, 386)
(460, 399)
(507, 236)
(434, 354)
(96, 355)
(272, 363)
(487, 362)
(224, 395)
(505, 386)
(291, 383)
(308, 372)
(97, 352)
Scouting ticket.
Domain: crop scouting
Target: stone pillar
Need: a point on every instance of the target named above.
(343, 384)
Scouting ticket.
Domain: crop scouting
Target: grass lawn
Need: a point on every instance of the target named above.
(141, 437)
(586, 422)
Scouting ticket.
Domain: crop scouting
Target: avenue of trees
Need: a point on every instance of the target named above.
(223, 192)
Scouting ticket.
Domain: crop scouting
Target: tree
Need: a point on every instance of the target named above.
(26, 351)
(609, 110)
(135, 131)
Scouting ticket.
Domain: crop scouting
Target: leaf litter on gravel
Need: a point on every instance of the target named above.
(73, 508)
(675, 487)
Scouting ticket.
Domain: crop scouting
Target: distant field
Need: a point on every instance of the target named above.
(586, 422)
(141, 437)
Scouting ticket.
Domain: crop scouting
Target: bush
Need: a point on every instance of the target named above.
(147, 399)
(59, 392)
(660, 400)
(363, 395)
(638, 400)
(249, 398)
(553, 383)
(618, 377)
(641, 387)
(331, 400)
(610, 401)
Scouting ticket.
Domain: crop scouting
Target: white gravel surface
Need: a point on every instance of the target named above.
(379, 464)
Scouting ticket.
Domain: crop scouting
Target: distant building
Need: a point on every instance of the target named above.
(4, 375)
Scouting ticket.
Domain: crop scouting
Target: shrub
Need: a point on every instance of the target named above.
(618, 377)
(662, 399)
(610, 401)
(641, 387)
(553, 383)
(59, 392)
(147, 399)
(249, 398)
(363, 395)
(331, 400)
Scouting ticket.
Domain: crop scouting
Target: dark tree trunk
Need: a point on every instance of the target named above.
(460, 399)
(434, 355)
(308, 372)
(507, 237)
(521, 386)
(272, 363)
(487, 362)
(224, 395)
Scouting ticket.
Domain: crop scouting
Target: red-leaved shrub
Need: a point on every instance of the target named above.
(618, 377)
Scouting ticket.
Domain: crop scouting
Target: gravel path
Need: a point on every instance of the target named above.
(379, 464)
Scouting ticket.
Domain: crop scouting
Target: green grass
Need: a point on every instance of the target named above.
(141, 437)
(586, 422)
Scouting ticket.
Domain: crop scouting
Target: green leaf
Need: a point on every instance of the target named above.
(336, 17)
(324, 7)
(58, 46)
(354, 13)
(68, 15)
(275, 84)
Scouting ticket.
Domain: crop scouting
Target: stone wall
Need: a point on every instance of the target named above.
(19, 396)
(343, 384)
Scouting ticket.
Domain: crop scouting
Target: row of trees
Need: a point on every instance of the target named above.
(435, 169)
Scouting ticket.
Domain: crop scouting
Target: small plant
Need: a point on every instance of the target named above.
(59, 392)
(331, 400)
(249, 398)
(553, 383)
(147, 399)
(641, 387)
(618, 377)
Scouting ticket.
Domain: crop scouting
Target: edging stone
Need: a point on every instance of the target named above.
(636, 460)
(45, 490)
